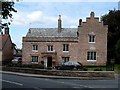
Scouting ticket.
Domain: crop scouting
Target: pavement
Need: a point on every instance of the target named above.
(56, 77)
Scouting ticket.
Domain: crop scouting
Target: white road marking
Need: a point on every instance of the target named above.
(11, 82)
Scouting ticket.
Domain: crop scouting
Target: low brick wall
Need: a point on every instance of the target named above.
(109, 74)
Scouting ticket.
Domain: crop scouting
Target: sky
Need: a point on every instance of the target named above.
(39, 14)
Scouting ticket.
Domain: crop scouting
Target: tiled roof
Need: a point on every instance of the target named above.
(52, 32)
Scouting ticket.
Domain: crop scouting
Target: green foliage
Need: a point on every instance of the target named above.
(7, 8)
(85, 69)
(117, 66)
(37, 66)
(112, 19)
(118, 50)
(98, 69)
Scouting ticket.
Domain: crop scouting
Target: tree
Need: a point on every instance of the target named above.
(112, 19)
(6, 8)
(118, 50)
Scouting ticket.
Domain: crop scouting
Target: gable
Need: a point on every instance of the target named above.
(4, 39)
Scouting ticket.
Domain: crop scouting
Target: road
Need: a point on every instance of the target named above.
(15, 82)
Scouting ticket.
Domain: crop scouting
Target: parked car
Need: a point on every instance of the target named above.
(16, 60)
(70, 65)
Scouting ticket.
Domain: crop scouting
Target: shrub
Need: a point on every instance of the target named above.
(98, 69)
(39, 66)
(85, 69)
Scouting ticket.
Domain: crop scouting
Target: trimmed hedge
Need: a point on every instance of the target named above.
(70, 73)
(37, 66)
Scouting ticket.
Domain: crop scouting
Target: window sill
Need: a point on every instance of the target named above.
(34, 62)
(92, 42)
(34, 50)
(91, 60)
(65, 51)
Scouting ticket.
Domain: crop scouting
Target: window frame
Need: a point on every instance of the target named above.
(50, 48)
(34, 59)
(35, 48)
(91, 38)
(65, 47)
(91, 56)
(65, 59)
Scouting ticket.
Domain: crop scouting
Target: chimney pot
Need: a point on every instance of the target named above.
(80, 21)
(7, 30)
(59, 24)
(92, 14)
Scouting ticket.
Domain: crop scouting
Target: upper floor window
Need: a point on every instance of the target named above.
(91, 55)
(34, 59)
(35, 48)
(65, 47)
(50, 47)
(91, 38)
(65, 59)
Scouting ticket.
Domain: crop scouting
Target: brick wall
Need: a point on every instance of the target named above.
(7, 52)
(78, 46)
(42, 48)
(92, 25)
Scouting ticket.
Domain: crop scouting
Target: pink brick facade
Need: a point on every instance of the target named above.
(76, 39)
(6, 47)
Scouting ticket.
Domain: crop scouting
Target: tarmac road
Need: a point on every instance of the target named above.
(16, 82)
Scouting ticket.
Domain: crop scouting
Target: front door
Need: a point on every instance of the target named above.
(49, 61)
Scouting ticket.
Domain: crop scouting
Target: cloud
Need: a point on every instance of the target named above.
(23, 18)
(19, 18)
(38, 17)
(35, 16)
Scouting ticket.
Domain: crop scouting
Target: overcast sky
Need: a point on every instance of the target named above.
(38, 14)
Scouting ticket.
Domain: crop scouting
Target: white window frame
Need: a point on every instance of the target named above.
(50, 48)
(65, 59)
(65, 47)
(91, 38)
(35, 48)
(35, 61)
(91, 56)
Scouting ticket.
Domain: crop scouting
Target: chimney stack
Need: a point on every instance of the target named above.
(59, 24)
(92, 14)
(80, 21)
(7, 30)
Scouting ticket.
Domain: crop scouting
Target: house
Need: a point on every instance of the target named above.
(86, 44)
(6, 47)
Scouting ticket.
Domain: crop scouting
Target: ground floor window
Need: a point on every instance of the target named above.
(65, 59)
(91, 55)
(34, 58)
